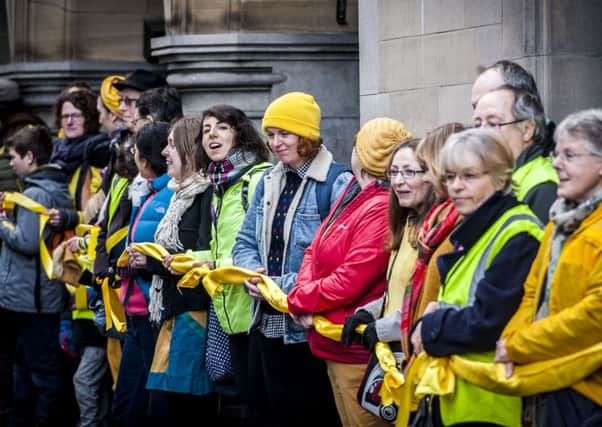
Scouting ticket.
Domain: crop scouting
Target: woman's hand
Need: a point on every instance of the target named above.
(73, 244)
(210, 264)
(430, 308)
(417, 339)
(136, 259)
(167, 262)
(305, 320)
(251, 285)
(54, 217)
(501, 356)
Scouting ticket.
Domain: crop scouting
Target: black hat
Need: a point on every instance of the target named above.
(141, 80)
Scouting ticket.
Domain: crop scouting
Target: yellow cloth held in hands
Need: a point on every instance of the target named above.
(212, 280)
(437, 375)
(17, 199)
(87, 260)
(115, 315)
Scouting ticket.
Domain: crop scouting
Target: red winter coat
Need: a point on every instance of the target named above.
(344, 268)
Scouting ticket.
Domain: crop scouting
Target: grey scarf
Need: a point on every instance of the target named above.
(567, 217)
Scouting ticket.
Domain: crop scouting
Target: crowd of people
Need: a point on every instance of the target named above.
(482, 240)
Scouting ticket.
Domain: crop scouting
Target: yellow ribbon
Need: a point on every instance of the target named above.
(212, 280)
(115, 315)
(426, 375)
(437, 375)
(86, 261)
(9, 202)
(116, 237)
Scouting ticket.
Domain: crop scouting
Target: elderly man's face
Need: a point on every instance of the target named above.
(486, 82)
(494, 110)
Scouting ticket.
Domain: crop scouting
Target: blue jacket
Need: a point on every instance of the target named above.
(253, 240)
(150, 215)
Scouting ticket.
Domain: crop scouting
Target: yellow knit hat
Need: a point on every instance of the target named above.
(295, 112)
(375, 141)
(109, 95)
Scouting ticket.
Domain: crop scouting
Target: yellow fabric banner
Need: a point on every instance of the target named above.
(17, 199)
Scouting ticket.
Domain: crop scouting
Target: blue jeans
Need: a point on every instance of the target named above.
(130, 401)
(38, 380)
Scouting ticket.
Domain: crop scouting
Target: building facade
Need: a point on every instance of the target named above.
(413, 60)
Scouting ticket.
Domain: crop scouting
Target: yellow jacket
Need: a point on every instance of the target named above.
(575, 318)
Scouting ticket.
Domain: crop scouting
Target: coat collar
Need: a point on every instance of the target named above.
(475, 225)
(318, 169)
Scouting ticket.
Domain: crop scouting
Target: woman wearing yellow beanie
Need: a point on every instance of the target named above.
(289, 204)
(345, 266)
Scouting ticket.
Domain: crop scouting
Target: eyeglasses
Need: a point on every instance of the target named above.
(569, 156)
(72, 116)
(129, 101)
(496, 125)
(466, 178)
(406, 174)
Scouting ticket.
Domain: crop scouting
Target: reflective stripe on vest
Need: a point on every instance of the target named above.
(531, 174)
(81, 310)
(470, 403)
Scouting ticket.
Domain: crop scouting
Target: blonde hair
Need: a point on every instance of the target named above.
(488, 147)
(428, 152)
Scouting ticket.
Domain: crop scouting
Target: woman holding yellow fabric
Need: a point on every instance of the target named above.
(345, 266)
(410, 198)
(561, 312)
(478, 296)
(178, 380)
(283, 216)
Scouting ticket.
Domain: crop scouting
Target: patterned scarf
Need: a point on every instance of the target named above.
(167, 234)
(439, 223)
(228, 171)
(567, 217)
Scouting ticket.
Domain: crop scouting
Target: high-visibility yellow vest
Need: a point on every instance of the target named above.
(470, 403)
(531, 174)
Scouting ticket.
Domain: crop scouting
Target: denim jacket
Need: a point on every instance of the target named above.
(253, 240)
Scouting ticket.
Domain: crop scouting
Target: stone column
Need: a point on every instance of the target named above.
(247, 53)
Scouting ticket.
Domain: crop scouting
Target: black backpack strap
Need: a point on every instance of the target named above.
(324, 189)
(246, 181)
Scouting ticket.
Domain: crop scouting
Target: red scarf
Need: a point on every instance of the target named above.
(439, 223)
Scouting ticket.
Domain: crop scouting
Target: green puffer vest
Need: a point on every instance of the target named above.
(233, 306)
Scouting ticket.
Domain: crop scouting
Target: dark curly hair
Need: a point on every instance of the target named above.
(84, 101)
(247, 137)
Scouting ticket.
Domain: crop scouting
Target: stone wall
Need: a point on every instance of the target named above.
(418, 58)
(83, 30)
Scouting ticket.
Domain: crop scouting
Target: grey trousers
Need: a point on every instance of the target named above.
(91, 387)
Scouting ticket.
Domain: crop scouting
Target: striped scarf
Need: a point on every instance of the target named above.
(439, 223)
(228, 171)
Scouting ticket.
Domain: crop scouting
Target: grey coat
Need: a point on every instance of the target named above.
(21, 272)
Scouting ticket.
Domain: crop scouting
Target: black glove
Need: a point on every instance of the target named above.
(369, 336)
(114, 279)
(350, 336)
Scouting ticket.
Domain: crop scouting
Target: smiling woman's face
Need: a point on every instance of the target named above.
(218, 138)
